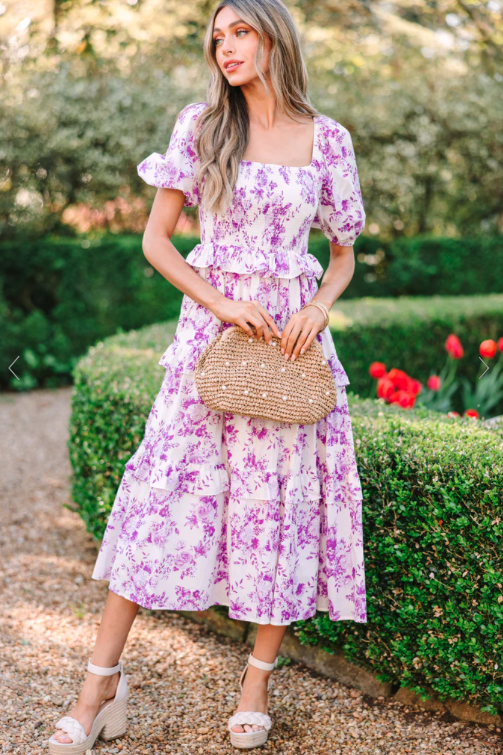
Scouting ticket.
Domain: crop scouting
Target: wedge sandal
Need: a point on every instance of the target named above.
(110, 721)
(248, 739)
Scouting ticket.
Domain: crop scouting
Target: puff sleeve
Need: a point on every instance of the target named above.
(340, 214)
(177, 169)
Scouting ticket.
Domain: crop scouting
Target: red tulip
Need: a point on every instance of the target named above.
(453, 414)
(453, 347)
(410, 399)
(399, 378)
(434, 383)
(500, 344)
(384, 388)
(488, 349)
(471, 413)
(415, 387)
(377, 370)
(403, 399)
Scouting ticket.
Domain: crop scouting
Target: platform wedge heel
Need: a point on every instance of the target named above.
(110, 721)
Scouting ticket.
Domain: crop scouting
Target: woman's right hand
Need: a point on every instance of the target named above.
(248, 315)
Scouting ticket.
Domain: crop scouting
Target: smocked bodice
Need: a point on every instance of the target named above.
(266, 227)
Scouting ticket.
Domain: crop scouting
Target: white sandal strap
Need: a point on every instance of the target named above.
(73, 728)
(262, 664)
(103, 671)
(250, 717)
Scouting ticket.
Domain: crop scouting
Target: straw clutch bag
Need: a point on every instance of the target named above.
(243, 375)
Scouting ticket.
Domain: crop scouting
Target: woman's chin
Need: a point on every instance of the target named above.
(238, 79)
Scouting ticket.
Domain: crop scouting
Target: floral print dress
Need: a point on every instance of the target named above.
(218, 508)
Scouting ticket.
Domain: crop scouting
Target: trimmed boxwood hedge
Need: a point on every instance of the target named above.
(432, 517)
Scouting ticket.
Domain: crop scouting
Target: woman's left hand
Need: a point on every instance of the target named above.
(300, 330)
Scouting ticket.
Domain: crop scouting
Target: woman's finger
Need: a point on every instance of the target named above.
(262, 328)
(286, 333)
(292, 337)
(301, 338)
(247, 321)
(270, 321)
(304, 341)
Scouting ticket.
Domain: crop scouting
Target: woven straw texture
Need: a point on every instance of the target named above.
(243, 375)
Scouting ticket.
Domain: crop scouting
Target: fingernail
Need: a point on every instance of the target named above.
(294, 357)
(302, 351)
(286, 357)
(282, 351)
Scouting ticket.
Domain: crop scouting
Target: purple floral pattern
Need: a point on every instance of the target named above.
(218, 508)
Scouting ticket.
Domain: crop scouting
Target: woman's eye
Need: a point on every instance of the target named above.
(238, 33)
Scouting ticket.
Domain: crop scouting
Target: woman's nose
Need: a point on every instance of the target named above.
(228, 47)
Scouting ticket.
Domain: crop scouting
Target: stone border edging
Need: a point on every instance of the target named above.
(338, 667)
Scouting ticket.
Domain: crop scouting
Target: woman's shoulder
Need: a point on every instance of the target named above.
(332, 130)
(190, 112)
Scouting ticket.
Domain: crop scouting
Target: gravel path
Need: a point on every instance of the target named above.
(183, 678)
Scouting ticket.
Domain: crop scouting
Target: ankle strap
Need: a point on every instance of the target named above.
(102, 671)
(262, 664)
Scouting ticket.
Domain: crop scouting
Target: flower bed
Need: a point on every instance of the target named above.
(396, 387)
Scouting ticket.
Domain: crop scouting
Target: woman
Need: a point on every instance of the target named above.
(216, 508)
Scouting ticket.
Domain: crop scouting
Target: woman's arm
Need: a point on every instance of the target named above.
(303, 326)
(337, 276)
(167, 260)
(163, 255)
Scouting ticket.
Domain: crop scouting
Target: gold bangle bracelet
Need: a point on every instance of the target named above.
(320, 306)
(322, 309)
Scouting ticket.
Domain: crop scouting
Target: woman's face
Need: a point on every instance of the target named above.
(235, 43)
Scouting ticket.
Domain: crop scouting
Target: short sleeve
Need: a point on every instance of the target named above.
(177, 169)
(340, 214)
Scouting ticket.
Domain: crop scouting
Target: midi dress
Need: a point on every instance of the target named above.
(216, 508)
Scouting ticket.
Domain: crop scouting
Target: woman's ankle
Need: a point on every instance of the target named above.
(255, 681)
(94, 685)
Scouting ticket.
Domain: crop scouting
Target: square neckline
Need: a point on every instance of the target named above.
(290, 167)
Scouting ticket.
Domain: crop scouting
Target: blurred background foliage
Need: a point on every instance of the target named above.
(91, 87)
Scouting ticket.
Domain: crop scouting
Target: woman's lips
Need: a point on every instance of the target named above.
(233, 66)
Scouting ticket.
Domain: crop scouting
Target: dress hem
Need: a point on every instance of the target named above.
(254, 620)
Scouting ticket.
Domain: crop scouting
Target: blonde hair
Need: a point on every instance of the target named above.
(223, 126)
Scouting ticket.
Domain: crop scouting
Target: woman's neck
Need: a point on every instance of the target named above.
(262, 106)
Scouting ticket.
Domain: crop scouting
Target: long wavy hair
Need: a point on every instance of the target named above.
(223, 126)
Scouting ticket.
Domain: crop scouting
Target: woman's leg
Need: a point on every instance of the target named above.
(116, 622)
(254, 694)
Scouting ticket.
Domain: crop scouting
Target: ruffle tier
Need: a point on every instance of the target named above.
(207, 479)
(281, 263)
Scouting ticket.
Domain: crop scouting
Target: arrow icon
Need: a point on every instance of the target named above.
(15, 360)
(485, 365)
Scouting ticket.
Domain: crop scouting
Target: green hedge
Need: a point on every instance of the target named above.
(429, 266)
(432, 517)
(59, 295)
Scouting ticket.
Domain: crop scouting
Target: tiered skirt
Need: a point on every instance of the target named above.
(217, 508)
